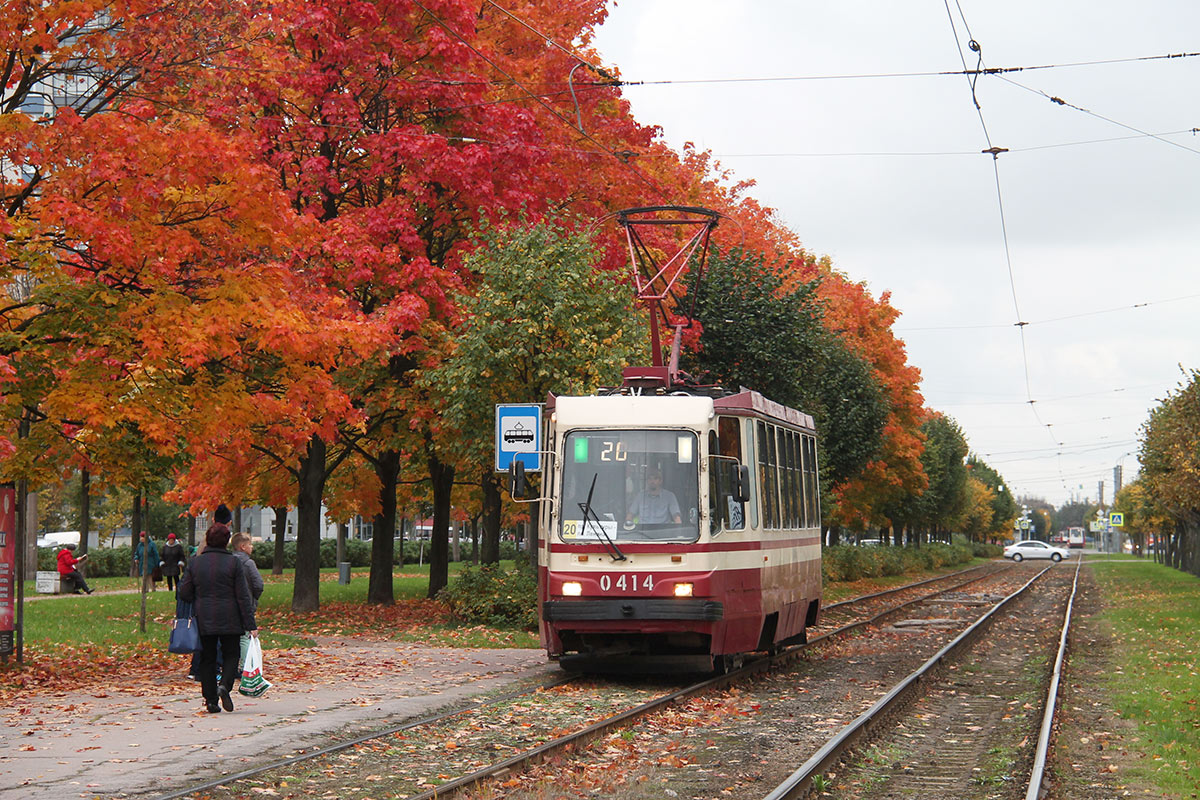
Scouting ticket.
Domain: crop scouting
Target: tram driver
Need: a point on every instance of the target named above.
(655, 505)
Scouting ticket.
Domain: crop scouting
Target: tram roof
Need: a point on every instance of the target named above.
(674, 408)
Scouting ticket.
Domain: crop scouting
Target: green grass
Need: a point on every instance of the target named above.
(1154, 612)
(111, 617)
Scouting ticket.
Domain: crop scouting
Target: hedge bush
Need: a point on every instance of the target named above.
(488, 595)
(102, 562)
(850, 563)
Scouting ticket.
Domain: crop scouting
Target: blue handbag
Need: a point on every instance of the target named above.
(185, 636)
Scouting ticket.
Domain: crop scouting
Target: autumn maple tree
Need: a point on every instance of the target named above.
(240, 254)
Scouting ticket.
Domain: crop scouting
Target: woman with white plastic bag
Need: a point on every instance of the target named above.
(253, 684)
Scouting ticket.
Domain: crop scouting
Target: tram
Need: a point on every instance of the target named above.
(682, 530)
(679, 527)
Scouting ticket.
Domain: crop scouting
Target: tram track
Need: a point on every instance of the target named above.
(967, 733)
(783, 718)
(527, 726)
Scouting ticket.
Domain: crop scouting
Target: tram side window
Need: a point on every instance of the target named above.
(725, 511)
(795, 481)
(766, 471)
(812, 496)
(785, 478)
(791, 479)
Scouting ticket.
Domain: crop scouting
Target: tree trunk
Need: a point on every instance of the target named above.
(280, 536)
(835, 534)
(135, 531)
(85, 510)
(490, 549)
(379, 587)
(442, 476)
(475, 540)
(306, 592)
(191, 534)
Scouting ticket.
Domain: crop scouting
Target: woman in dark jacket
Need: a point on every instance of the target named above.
(216, 586)
(172, 560)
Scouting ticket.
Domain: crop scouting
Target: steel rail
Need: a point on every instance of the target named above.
(797, 784)
(522, 760)
(889, 611)
(336, 748)
(913, 585)
(584, 735)
(1041, 754)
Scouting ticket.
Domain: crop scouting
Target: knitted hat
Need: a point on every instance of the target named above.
(222, 514)
(170, 536)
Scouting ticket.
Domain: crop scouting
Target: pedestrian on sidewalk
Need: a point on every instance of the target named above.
(173, 560)
(215, 584)
(242, 549)
(221, 516)
(68, 571)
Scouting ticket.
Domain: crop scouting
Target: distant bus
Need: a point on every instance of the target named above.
(1075, 537)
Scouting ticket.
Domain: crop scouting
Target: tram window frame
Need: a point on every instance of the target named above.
(785, 500)
(795, 499)
(766, 483)
(725, 457)
(778, 497)
(798, 467)
(812, 496)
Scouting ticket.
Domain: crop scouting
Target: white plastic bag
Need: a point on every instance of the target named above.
(253, 684)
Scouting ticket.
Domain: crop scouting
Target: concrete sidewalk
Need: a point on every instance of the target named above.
(149, 741)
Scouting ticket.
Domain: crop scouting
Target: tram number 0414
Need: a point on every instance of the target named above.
(627, 583)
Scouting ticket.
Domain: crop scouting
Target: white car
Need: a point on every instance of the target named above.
(1031, 548)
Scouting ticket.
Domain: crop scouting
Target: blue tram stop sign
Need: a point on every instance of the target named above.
(519, 436)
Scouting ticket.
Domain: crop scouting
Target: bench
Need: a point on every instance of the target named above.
(49, 583)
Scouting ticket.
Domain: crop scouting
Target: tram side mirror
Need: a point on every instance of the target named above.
(518, 486)
(741, 486)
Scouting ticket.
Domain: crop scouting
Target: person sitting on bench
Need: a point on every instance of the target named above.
(68, 573)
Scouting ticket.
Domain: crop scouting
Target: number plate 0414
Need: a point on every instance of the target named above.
(625, 582)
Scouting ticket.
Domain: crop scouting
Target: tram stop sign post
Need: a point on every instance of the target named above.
(519, 436)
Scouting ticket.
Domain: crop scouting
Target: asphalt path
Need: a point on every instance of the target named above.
(151, 741)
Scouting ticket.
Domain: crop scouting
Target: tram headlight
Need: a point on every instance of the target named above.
(683, 590)
(572, 588)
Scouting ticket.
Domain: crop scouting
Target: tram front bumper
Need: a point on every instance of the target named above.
(610, 609)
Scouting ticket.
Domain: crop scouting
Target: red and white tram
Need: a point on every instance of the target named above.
(680, 529)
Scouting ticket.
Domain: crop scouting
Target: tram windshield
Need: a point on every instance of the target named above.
(630, 486)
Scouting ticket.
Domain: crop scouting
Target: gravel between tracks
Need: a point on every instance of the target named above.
(742, 743)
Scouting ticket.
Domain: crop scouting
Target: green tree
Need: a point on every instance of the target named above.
(1145, 519)
(944, 461)
(759, 333)
(1170, 469)
(1004, 509)
(540, 318)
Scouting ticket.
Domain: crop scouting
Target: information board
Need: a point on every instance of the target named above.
(8, 568)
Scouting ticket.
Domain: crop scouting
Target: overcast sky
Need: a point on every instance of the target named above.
(886, 176)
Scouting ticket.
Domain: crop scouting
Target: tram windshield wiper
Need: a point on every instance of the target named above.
(590, 518)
